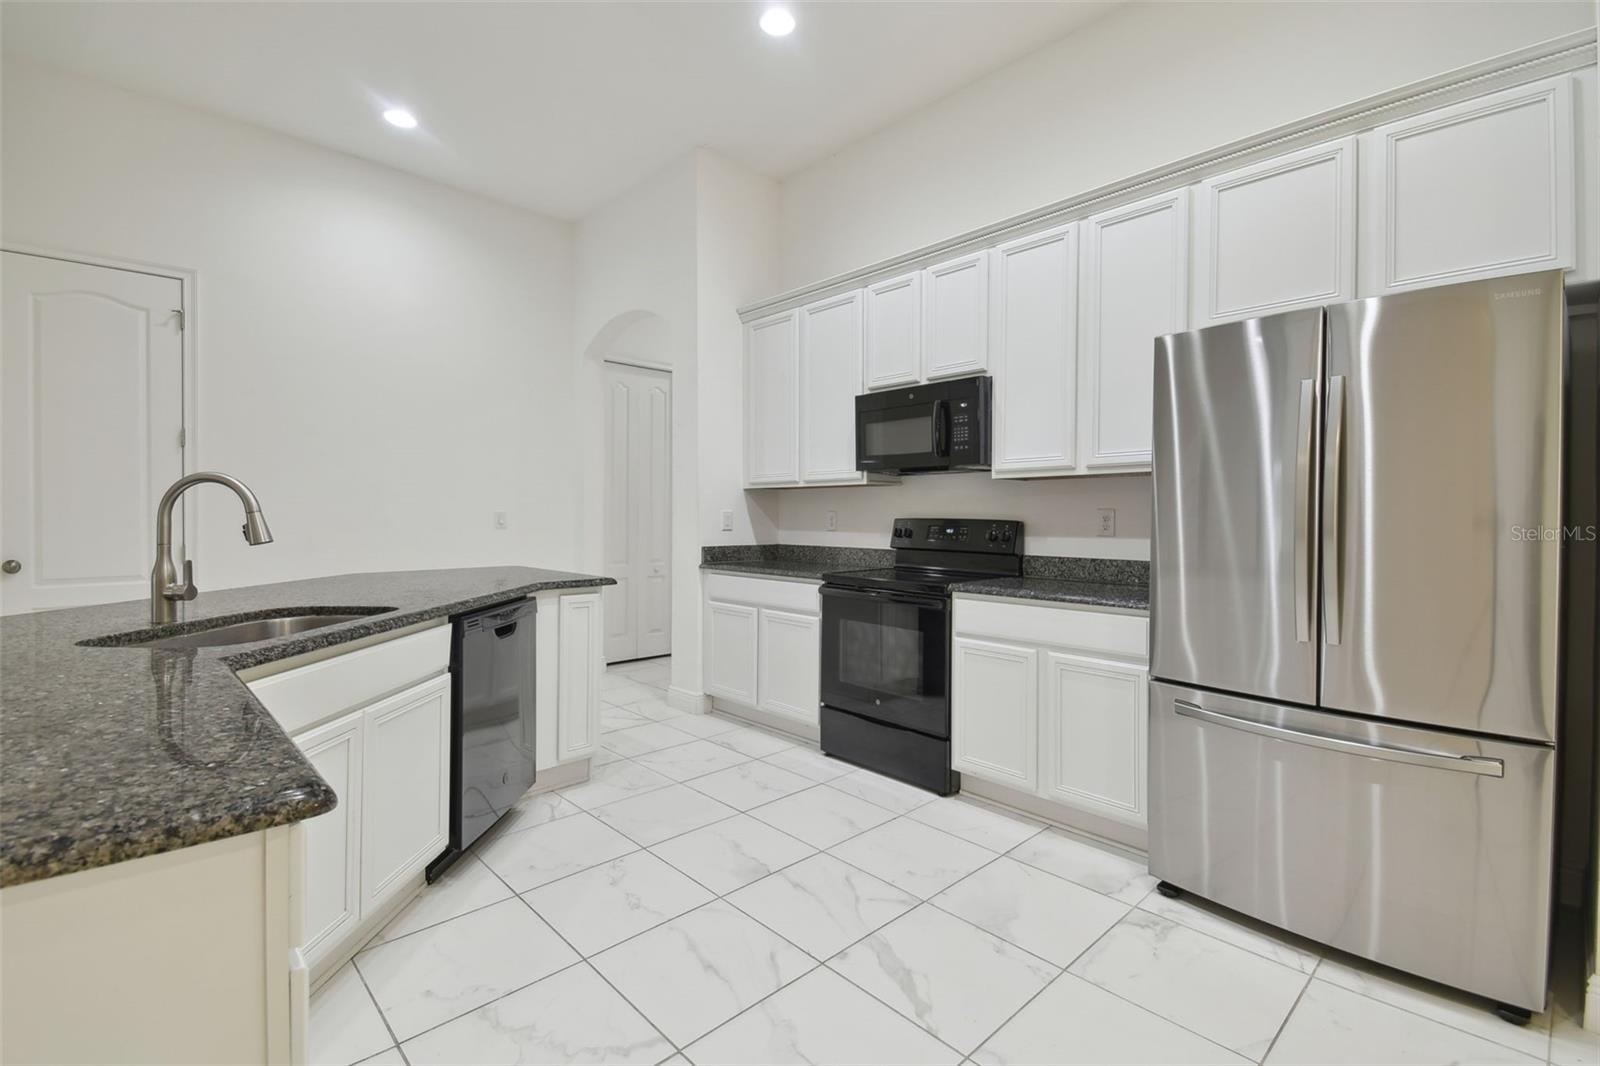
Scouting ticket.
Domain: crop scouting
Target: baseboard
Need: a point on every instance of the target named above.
(770, 722)
(1101, 830)
(560, 775)
(687, 700)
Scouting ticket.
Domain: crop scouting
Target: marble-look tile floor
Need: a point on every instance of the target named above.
(715, 893)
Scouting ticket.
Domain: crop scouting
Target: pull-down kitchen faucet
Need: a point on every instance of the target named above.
(165, 588)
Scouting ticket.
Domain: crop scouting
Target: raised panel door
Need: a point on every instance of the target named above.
(730, 651)
(579, 669)
(1095, 735)
(405, 787)
(772, 400)
(830, 378)
(332, 890)
(994, 708)
(955, 317)
(1033, 323)
(788, 652)
(894, 332)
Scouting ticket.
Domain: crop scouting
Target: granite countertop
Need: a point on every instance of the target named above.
(791, 560)
(1086, 593)
(114, 752)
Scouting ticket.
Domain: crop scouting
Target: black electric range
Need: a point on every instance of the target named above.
(886, 646)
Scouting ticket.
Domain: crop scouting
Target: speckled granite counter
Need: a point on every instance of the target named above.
(1086, 593)
(791, 560)
(112, 752)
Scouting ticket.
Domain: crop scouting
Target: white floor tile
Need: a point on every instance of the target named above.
(750, 784)
(391, 1057)
(572, 1016)
(642, 739)
(1469, 1013)
(819, 1018)
(728, 855)
(696, 759)
(821, 816)
(918, 858)
(1236, 929)
(1334, 1025)
(613, 718)
(953, 979)
(613, 901)
(612, 782)
(703, 725)
(985, 826)
(886, 792)
(446, 970)
(533, 857)
(466, 886)
(1226, 994)
(345, 1026)
(622, 690)
(699, 970)
(809, 762)
(1042, 913)
(822, 904)
(1075, 1023)
(604, 756)
(1106, 871)
(756, 743)
(535, 808)
(655, 709)
(1570, 1043)
(655, 816)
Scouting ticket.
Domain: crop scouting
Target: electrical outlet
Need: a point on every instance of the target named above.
(727, 521)
(500, 520)
(1108, 522)
(833, 521)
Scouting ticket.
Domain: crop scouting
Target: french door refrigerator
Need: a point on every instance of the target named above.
(1354, 625)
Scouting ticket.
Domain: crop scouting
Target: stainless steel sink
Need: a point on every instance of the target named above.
(226, 632)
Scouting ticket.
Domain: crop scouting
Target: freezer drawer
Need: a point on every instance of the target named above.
(1426, 851)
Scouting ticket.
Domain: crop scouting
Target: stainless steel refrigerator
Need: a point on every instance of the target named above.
(1355, 623)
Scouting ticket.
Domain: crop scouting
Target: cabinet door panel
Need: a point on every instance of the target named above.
(581, 662)
(955, 317)
(772, 400)
(1276, 235)
(333, 840)
(789, 664)
(1481, 188)
(730, 652)
(894, 332)
(1032, 319)
(1135, 287)
(405, 785)
(830, 378)
(995, 712)
(1095, 736)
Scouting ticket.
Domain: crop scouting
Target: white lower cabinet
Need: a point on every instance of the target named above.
(1051, 700)
(763, 644)
(581, 663)
(786, 663)
(995, 708)
(405, 787)
(730, 660)
(333, 840)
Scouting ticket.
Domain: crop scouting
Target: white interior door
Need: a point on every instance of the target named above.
(91, 391)
(638, 607)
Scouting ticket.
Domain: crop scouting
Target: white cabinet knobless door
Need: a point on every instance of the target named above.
(1033, 346)
(994, 711)
(333, 840)
(830, 379)
(405, 787)
(955, 317)
(1094, 735)
(580, 644)
(1474, 190)
(1135, 287)
(730, 651)
(772, 400)
(1277, 235)
(894, 332)
(788, 674)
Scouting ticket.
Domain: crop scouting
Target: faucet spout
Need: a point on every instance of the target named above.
(165, 588)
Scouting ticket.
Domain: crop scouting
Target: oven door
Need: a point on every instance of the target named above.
(886, 656)
(902, 437)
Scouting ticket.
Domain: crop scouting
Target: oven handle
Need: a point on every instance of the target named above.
(941, 434)
(893, 597)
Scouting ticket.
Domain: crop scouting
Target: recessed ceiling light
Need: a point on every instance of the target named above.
(399, 116)
(777, 22)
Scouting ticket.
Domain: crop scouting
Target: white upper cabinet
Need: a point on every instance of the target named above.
(1033, 340)
(894, 332)
(830, 378)
(1134, 288)
(772, 400)
(1276, 235)
(955, 317)
(1477, 189)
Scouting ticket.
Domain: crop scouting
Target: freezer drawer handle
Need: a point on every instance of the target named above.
(1467, 764)
(1303, 573)
(1332, 490)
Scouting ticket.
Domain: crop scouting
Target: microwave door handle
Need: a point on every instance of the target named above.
(941, 434)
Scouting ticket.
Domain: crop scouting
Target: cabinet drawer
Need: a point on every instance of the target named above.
(303, 697)
(1123, 635)
(783, 595)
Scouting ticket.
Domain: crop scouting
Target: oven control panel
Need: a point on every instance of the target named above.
(998, 535)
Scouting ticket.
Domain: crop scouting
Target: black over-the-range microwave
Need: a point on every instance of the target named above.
(921, 429)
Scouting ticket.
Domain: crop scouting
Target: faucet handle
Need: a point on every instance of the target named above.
(186, 590)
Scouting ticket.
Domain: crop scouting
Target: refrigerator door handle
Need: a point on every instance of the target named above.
(1468, 764)
(1332, 513)
(1304, 574)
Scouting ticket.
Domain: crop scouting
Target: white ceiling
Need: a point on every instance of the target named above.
(553, 106)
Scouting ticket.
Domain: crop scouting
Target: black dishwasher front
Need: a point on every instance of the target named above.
(492, 720)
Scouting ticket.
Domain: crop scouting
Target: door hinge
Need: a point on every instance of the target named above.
(177, 313)
(183, 438)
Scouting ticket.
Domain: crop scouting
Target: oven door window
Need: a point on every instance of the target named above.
(885, 656)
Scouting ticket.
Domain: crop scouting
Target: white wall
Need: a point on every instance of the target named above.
(376, 351)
